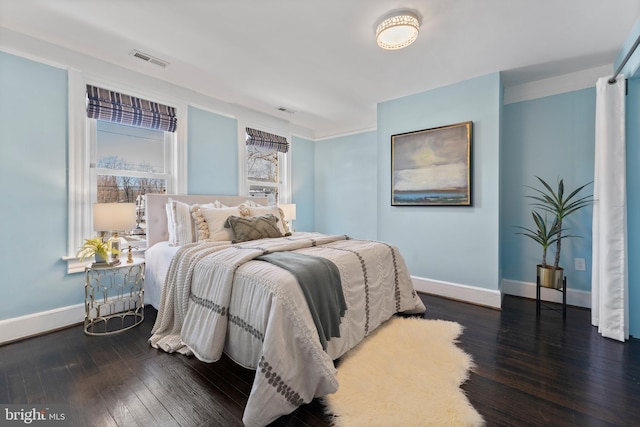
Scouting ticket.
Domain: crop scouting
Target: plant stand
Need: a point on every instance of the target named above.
(564, 296)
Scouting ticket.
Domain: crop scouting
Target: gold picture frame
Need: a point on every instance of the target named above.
(432, 167)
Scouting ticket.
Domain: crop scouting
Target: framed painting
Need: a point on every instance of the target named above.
(432, 167)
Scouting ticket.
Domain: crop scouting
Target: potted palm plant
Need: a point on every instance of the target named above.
(98, 248)
(559, 205)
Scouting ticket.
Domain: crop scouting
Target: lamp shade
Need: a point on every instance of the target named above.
(289, 211)
(114, 216)
(399, 29)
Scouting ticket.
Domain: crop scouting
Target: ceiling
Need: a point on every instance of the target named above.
(319, 58)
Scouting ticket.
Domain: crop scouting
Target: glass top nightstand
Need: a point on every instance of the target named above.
(114, 297)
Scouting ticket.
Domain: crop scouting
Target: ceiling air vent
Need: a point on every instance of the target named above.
(285, 110)
(148, 58)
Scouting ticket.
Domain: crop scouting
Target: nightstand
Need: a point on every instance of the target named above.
(114, 297)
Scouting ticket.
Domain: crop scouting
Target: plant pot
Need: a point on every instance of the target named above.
(550, 277)
(100, 259)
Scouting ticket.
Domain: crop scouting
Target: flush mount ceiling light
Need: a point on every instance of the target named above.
(397, 30)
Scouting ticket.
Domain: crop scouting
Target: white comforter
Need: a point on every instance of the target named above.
(217, 298)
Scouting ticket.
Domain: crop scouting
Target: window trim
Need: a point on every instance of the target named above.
(81, 132)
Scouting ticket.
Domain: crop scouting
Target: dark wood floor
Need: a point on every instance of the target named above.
(529, 372)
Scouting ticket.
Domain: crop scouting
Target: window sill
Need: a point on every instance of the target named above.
(75, 265)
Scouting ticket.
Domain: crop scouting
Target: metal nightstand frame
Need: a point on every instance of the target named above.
(114, 295)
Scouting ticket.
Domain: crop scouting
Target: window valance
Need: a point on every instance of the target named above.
(267, 140)
(115, 107)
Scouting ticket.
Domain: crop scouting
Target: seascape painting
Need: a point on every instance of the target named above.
(432, 167)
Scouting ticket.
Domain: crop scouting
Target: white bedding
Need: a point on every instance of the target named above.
(217, 298)
(158, 257)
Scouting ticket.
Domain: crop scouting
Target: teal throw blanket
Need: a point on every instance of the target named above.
(320, 282)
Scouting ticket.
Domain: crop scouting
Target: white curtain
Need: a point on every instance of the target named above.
(609, 283)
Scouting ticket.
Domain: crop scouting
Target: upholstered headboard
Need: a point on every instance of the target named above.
(157, 215)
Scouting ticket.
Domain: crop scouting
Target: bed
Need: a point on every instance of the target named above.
(245, 298)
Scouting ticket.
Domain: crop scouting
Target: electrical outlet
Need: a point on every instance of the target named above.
(580, 264)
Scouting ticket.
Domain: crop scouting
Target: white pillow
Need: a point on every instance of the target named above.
(180, 219)
(171, 224)
(250, 203)
(184, 228)
(210, 221)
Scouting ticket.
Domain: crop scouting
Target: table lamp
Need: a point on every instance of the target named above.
(113, 218)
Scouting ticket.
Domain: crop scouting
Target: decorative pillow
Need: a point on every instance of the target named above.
(285, 223)
(210, 222)
(244, 210)
(171, 226)
(250, 203)
(180, 222)
(253, 228)
(183, 231)
(257, 210)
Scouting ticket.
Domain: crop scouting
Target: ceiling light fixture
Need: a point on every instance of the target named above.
(397, 30)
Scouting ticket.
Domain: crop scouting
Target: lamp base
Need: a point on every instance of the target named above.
(138, 231)
(117, 243)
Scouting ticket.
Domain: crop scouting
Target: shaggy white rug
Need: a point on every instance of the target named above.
(407, 373)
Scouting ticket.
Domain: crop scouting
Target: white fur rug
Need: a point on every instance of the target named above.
(407, 373)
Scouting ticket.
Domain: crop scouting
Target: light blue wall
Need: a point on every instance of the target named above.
(33, 170)
(340, 185)
(346, 189)
(33, 166)
(213, 153)
(633, 202)
(549, 137)
(452, 244)
(303, 182)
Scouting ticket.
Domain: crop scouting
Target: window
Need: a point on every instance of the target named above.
(262, 172)
(128, 148)
(267, 166)
(129, 163)
(120, 148)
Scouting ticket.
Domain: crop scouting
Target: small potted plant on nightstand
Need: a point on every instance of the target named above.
(98, 248)
(559, 206)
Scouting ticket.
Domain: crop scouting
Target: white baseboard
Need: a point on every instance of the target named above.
(575, 297)
(472, 294)
(38, 323)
